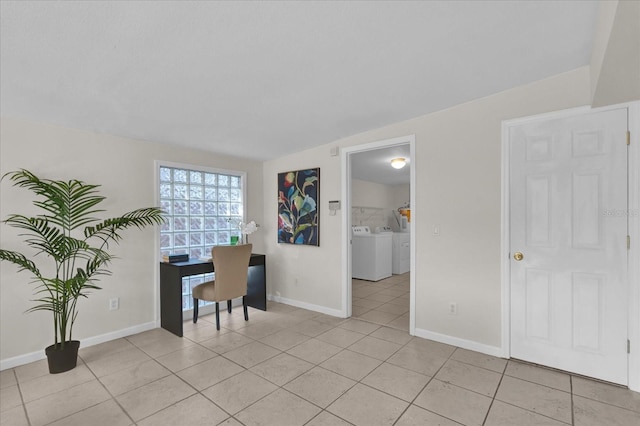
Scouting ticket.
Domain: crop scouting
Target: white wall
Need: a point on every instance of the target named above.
(125, 169)
(458, 163)
(615, 58)
(372, 203)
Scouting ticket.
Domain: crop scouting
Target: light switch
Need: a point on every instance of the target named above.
(436, 230)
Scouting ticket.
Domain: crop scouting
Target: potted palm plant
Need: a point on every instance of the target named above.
(74, 244)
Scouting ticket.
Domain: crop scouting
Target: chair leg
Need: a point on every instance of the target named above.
(217, 316)
(195, 310)
(244, 305)
(229, 305)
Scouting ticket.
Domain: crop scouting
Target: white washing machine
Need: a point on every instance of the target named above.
(401, 252)
(371, 254)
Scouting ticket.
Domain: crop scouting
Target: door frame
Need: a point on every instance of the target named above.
(633, 214)
(346, 220)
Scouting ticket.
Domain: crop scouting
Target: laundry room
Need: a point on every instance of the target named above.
(380, 213)
(381, 235)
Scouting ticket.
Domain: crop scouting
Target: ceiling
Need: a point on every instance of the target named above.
(375, 165)
(264, 79)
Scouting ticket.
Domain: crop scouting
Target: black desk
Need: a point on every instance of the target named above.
(171, 275)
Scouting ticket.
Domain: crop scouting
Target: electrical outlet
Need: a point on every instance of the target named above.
(114, 304)
(453, 308)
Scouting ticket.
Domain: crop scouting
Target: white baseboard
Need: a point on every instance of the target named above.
(304, 305)
(84, 343)
(461, 343)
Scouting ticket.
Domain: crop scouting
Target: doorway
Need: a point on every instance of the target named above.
(376, 301)
(567, 267)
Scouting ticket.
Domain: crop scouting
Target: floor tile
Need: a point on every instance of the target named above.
(280, 408)
(284, 340)
(358, 311)
(10, 397)
(231, 422)
(537, 398)
(117, 361)
(502, 414)
(66, 402)
(366, 303)
(149, 399)
(251, 375)
(480, 360)
(258, 330)
(209, 373)
(303, 314)
(604, 392)
(327, 419)
(227, 342)
(281, 368)
(206, 332)
(396, 381)
(108, 413)
(134, 377)
(311, 327)
(392, 335)
(314, 351)
(588, 412)
(539, 375)
(416, 360)
(195, 410)
(379, 317)
(340, 337)
(401, 323)
(7, 378)
(320, 386)
(359, 326)
(90, 353)
(393, 308)
(32, 370)
(375, 348)
(419, 416)
(251, 354)
(351, 364)
(186, 357)
(362, 405)
(14, 417)
(151, 336)
(470, 377)
(453, 402)
(239, 391)
(331, 320)
(381, 297)
(165, 345)
(431, 348)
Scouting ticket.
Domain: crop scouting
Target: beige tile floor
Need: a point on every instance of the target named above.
(290, 366)
(384, 302)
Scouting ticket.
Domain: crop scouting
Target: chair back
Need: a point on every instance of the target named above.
(231, 266)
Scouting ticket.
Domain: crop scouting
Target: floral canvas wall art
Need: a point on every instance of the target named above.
(298, 201)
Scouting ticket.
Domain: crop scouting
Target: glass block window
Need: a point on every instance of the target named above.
(203, 208)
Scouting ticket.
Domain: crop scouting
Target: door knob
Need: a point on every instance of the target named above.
(518, 256)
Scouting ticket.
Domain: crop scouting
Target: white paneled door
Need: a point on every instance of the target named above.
(568, 248)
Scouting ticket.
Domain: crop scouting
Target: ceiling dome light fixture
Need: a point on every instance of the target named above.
(398, 163)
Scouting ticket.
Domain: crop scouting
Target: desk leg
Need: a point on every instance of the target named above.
(257, 287)
(171, 300)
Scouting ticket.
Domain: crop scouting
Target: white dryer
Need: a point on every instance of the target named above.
(401, 252)
(371, 254)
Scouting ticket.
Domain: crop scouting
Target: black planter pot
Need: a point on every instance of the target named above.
(61, 360)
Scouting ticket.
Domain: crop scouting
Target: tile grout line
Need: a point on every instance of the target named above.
(24, 404)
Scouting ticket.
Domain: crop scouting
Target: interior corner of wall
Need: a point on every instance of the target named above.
(602, 33)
